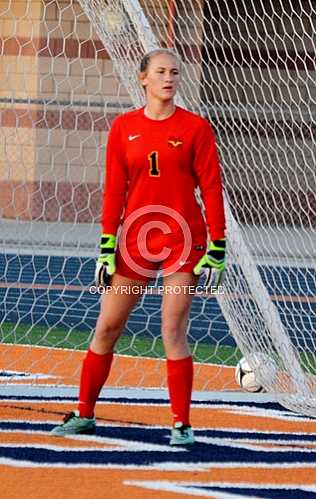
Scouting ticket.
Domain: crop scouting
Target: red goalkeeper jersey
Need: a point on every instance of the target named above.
(152, 163)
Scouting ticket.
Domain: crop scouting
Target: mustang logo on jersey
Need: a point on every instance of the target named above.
(175, 142)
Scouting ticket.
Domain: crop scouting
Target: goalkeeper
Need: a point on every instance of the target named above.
(156, 158)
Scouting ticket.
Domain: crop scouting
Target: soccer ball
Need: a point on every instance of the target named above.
(245, 377)
(266, 369)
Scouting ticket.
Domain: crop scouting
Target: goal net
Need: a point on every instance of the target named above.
(68, 68)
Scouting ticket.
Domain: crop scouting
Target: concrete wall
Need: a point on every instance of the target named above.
(59, 94)
(259, 76)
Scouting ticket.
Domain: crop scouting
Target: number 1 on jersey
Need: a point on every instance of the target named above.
(153, 161)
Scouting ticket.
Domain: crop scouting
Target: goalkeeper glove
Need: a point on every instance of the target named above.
(105, 266)
(213, 263)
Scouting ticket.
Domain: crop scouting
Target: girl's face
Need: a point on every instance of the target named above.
(162, 77)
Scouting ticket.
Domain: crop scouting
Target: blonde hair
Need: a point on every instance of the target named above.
(144, 63)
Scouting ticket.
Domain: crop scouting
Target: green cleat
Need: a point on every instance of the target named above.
(181, 435)
(74, 425)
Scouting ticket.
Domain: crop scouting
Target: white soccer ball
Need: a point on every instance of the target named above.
(245, 377)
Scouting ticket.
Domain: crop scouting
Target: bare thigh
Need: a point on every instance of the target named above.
(116, 305)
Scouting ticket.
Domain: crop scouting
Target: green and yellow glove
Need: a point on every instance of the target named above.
(105, 266)
(213, 263)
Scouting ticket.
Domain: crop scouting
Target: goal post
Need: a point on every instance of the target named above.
(69, 68)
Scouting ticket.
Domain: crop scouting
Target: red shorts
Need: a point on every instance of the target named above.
(132, 263)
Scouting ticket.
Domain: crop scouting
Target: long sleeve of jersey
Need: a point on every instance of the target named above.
(207, 170)
(116, 181)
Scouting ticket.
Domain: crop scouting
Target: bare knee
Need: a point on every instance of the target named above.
(174, 325)
(175, 340)
(106, 335)
(171, 333)
(108, 326)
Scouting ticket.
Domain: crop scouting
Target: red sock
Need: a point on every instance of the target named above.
(94, 373)
(180, 379)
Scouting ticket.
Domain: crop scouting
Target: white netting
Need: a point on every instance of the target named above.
(250, 69)
(59, 92)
